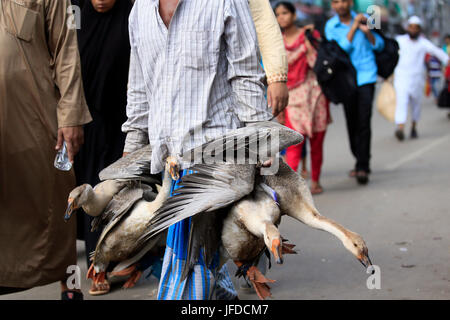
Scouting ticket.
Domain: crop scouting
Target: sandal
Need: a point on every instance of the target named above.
(352, 173)
(72, 295)
(99, 288)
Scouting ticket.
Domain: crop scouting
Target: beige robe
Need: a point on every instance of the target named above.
(40, 90)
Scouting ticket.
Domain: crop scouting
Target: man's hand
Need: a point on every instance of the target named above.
(364, 28)
(277, 97)
(125, 154)
(360, 19)
(74, 138)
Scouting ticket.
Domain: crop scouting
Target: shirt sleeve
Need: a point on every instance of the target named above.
(244, 70)
(379, 42)
(72, 109)
(136, 126)
(436, 51)
(270, 41)
(342, 40)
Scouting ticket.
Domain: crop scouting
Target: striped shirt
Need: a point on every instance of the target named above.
(194, 80)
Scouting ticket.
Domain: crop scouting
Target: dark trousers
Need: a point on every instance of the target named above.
(358, 113)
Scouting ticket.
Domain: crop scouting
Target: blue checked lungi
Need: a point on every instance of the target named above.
(203, 282)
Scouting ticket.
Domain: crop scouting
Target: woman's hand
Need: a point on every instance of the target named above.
(309, 27)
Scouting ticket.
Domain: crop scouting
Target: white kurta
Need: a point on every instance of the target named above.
(409, 79)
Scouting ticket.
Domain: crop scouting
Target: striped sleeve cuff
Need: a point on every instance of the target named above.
(135, 140)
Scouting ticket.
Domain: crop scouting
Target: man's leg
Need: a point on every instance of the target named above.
(351, 116)
(434, 82)
(416, 111)
(401, 111)
(364, 130)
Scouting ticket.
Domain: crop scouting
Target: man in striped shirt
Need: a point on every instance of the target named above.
(195, 68)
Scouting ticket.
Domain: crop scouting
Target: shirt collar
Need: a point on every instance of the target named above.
(156, 2)
(337, 21)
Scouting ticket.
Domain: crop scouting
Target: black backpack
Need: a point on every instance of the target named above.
(388, 58)
(334, 70)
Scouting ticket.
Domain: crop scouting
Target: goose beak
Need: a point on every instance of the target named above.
(174, 169)
(70, 208)
(276, 251)
(365, 261)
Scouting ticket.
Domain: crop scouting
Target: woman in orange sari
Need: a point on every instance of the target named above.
(308, 109)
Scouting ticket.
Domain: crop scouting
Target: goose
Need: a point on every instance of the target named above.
(131, 209)
(296, 201)
(251, 228)
(124, 218)
(130, 169)
(93, 201)
(215, 186)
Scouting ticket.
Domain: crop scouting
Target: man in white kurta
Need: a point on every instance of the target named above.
(409, 78)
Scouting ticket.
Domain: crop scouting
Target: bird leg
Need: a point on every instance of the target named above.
(259, 282)
(134, 278)
(287, 248)
(125, 272)
(99, 283)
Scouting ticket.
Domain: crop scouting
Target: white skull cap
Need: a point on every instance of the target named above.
(415, 20)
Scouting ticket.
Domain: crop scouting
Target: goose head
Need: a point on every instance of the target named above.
(354, 243)
(273, 241)
(172, 167)
(77, 198)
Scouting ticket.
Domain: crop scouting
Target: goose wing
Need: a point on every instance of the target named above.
(210, 188)
(257, 141)
(119, 206)
(204, 236)
(134, 166)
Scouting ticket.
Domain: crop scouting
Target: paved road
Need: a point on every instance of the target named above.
(403, 214)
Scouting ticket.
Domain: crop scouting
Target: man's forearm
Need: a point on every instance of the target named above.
(351, 33)
(370, 36)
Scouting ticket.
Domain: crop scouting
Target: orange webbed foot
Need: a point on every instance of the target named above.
(134, 278)
(288, 248)
(125, 272)
(259, 282)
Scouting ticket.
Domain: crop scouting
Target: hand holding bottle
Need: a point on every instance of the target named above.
(69, 143)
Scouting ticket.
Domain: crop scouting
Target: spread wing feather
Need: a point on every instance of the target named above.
(210, 188)
(257, 141)
(134, 166)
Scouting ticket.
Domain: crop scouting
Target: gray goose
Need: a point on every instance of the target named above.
(216, 186)
(125, 218)
(251, 229)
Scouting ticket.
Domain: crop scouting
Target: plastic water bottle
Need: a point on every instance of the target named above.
(62, 159)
